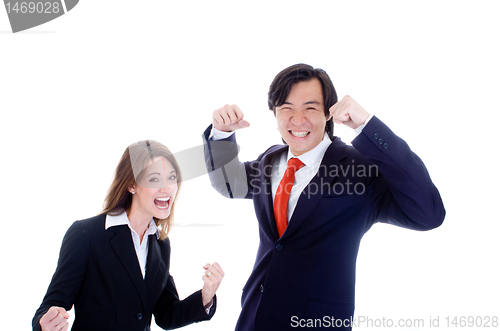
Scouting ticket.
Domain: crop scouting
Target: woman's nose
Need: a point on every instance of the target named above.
(165, 187)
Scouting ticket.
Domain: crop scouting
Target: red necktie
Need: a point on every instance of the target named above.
(283, 193)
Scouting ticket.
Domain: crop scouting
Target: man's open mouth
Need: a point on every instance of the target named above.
(299, 134)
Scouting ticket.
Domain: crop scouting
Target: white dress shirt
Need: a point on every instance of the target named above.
(141, 249)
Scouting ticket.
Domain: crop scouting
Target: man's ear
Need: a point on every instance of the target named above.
(328, 114)
(329, 128)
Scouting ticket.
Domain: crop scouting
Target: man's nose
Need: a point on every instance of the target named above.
(298, 118)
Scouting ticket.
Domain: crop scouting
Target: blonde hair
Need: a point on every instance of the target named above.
(129, 171)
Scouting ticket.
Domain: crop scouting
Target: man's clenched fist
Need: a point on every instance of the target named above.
(229, 118)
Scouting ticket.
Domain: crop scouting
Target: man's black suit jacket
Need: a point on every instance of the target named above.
(308, 274)
(98, 272)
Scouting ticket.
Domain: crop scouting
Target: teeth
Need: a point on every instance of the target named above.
(163, 200)
(300, 134)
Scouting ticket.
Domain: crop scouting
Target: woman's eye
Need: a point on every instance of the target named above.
(173, 177)
(153, 180)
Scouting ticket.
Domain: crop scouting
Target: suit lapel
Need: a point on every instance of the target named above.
(267, 198)
(124, 247)
(157, 268)
(153, 262)
(312, 194)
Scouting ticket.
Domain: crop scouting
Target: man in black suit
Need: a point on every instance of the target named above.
(314, 199)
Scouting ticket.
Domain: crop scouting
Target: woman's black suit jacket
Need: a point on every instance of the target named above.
(99, 273)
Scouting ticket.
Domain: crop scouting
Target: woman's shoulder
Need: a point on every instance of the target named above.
(91, 224)
(81, 232)
(94, 221)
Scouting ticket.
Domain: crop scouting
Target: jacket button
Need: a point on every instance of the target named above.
(139, 316)
(375, 135)
(380, 141)
(279, 247)
(385, 145)
(262, 288)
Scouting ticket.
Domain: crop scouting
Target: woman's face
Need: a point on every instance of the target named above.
(155, 192)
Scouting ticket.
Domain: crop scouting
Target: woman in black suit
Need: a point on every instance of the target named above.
(114, 267)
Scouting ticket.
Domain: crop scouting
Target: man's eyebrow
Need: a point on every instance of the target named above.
(312, 102)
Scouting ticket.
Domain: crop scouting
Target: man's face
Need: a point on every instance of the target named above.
(301, 119)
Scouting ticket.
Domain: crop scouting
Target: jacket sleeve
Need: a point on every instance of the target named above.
(227, 174)
(171, 313)
(69, 274)
(407, 197)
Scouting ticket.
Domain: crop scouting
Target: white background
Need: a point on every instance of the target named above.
(75, 92)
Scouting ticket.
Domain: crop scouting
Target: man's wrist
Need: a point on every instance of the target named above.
(360, 128)
(216, 134)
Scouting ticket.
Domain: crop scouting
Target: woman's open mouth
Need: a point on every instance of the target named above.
(162, 203)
